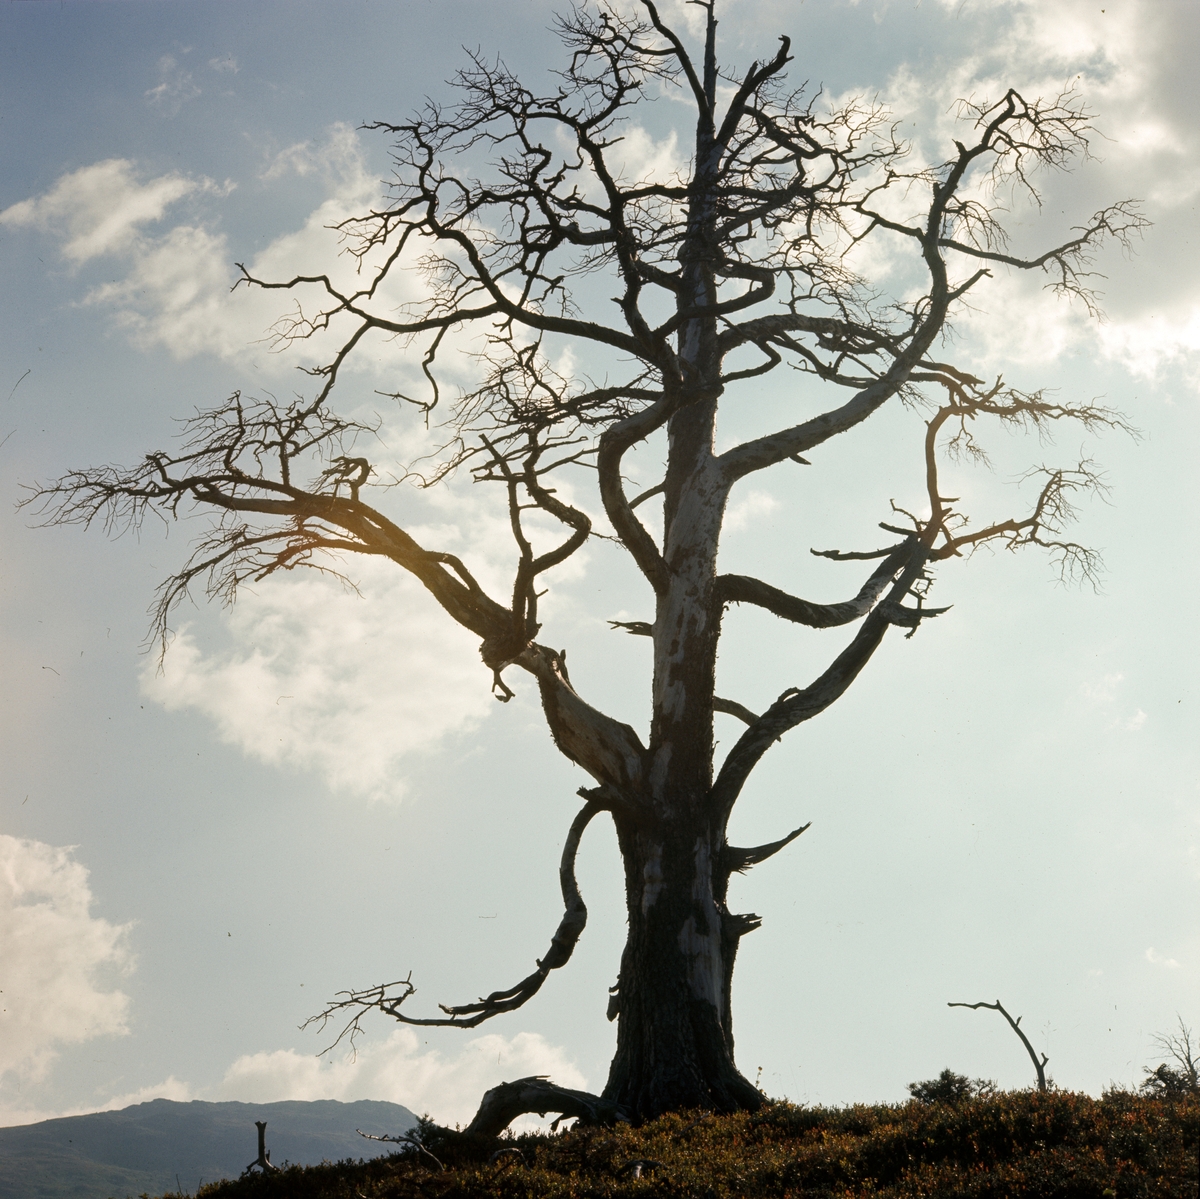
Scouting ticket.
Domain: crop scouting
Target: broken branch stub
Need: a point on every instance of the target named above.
(263, 1160)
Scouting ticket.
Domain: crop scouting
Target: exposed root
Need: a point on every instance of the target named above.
(503, 1104)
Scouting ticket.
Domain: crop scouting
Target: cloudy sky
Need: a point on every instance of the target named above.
(318, 792)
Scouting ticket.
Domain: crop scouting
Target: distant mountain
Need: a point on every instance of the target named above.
(159, 1146)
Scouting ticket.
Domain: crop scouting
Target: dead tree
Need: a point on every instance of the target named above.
(514, 210)
(263, 1160)
(1182, 1078)
(1015, 1025)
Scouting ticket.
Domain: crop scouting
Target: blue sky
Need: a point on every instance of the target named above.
(318, 791)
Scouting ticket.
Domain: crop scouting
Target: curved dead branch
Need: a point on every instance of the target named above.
(503, 1104)
(609, 750)
(797, 705)
(389, 998)
(740, 589)
(1015, 1025)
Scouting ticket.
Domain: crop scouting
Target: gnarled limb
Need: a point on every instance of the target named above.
(503, 1104)
(1015, 1025)
(735, 858)
(797, 705)
(610, 751)
(468, 1015)
(741, 589)
(565, 938)
(613, 444)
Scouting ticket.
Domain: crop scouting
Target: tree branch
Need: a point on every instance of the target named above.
(734, 858)
(732, 708)
(740, 589)
(1015, 1025)
(610, 751)
(795, 706)
(469, 1015)
(503, 1104)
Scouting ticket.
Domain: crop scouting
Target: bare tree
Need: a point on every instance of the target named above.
(1183, 1078)
(514, 209)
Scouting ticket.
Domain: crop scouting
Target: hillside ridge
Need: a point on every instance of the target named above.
(166, 1145)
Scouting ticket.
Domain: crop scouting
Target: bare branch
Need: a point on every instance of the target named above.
(739, 589)
(403, 1139)
(735, 858)
(732, 708)
(635, 628)
(390, 1001)
(1015, 1025)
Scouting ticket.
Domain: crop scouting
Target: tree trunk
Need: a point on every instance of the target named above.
(675, 1032)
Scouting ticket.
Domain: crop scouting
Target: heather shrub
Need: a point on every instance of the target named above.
(1050, 1145)
(950, 1087)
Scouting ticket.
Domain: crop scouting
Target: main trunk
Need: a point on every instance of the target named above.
(675, 1032)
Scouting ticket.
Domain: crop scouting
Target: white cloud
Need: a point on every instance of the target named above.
(1157, 959)
(338, 157)
(751, 510)
(323, 680)
(639, 158)
(175, 291)
(224, 64)
(1128, 64)
(1149, 344)
(447, 1087)
(1105, 694)
(174, 295)
(1104, 690)
(399, 1069)
(98, 209)
(53, 957)
(175, 86)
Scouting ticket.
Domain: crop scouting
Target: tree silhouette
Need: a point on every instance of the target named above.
(513, 209)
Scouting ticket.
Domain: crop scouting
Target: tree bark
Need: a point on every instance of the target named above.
(675, 1030)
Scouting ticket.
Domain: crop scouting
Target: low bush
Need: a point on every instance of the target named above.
(1051, 1145)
